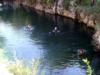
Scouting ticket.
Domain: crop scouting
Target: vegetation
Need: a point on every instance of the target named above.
(86, 4)
(89, 69)
(48, 2)
(19, 68)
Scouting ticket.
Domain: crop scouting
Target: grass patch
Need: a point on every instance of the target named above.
(19, 68)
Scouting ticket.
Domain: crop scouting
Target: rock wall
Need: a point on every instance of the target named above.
(73, 12)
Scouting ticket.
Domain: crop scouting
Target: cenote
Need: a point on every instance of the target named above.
(27, 36)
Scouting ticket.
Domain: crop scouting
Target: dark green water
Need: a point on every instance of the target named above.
(27, 36)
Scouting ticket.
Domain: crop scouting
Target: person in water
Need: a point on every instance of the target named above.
(30, 27)
(56, 30)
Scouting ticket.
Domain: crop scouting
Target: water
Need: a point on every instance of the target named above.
(28, 36)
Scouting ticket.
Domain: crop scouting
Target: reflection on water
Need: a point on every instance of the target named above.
(26, 36)
(23, 44)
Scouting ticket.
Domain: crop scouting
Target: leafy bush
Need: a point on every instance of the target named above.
(89, 69)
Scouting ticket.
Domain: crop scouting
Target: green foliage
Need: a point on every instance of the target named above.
(19, 68)
(48, 1)
(83, 2)
(89, 69)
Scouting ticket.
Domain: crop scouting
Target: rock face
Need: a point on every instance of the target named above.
(58, 8)
(96, 41)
